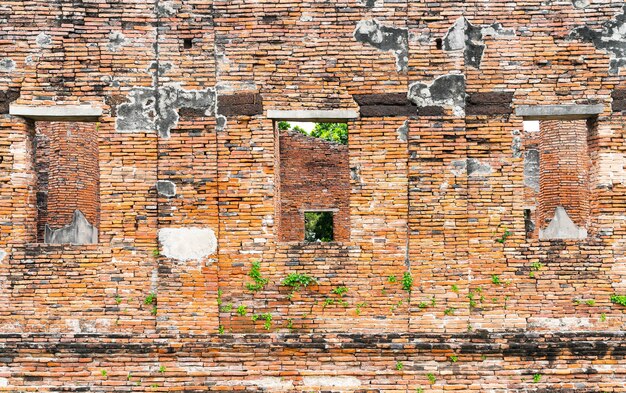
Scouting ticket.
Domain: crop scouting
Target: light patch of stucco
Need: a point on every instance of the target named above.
(185, 244)
(324, 381)
(558, 324)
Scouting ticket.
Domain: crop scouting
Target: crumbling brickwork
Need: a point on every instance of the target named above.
(445, 287)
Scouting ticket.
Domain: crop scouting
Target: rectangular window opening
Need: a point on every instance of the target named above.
(318, 227)
(313, 192)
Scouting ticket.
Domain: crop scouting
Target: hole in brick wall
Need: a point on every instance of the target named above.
(529, 225)
(318, 226)
(439, 43)
(314, 178)
(68, 176)
(187, 43)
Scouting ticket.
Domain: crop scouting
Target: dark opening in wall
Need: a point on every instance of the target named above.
(313, 182)
(318, 226)
(439, 43)
(68, 177)
(187, 43)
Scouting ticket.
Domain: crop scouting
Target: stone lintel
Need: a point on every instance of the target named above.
(333, 115)
(57, 112)
(558, 112)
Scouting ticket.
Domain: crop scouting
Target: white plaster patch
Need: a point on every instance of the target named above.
(7, 65)
(611, 169)
(271, 384)
(306, 17)
(3, 254)
(43, 39)
(4, 382)
(568, 323)
(186, 244)
(116, 41)
(323, 381)
(73, 325)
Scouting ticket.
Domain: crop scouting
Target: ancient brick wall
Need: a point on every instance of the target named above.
(442, 275)
(314, 175)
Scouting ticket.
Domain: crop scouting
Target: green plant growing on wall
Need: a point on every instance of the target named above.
(359, 307)
(298, 280)
(220, 329)
(156, 253)
(242, 311)
(422, 305)
(103, 372)
(603, 317)
(454, 358)
(226, 308)
(267, 317)
(536, 378)
(219, 297)
(255, 274)
(118, 299)
(455, 288)
(154, 310)
(162, 369)
(590, 302)
(340, 291)
(392, 279)
(534, 268)
(431, 378)
(619, 299)
(504, 236)
(407, 282)
(419, 390)
(495, 279)
(399, 366)
(449, 311)
(150, 299)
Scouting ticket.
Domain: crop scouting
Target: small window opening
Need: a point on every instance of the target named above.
(439, 43)
(187, 43)
(318, 226)
(529, 225)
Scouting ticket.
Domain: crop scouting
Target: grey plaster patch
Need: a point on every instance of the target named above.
(43, 39)
(477, 168)
(516, 145)
(116, 41)
(166, 188)
(562, 227)
(385, 38)
(331, 381)
(465, 36)
(7, 65)
(403, 131)
(3, 255)
(166, 9)
(459, 167)
(446, 90)
(188, 243)
(79, 231)
(142, 113)
(581, 3)
(221, 122)
(531, 169)
(371, 3)
(610, 38)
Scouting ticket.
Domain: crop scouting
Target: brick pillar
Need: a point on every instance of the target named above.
(68, 173)
(564, 170)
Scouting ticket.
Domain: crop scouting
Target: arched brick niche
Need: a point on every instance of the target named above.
(66, 161)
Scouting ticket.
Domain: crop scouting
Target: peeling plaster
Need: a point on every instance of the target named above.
(581, 3)
(166, 188)
(403, 131)
(116, 41)
(531, 169)
(187, 243)
(43, 39)
(470, 39)
(371, 3)
(446, 90)
(141, 113)
(385, 38)
(610, 38)
(323, 381)
(7, 65)
(471, 166)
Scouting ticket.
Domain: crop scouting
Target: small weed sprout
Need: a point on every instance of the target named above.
(226, 308)
(603, 317)
(392, 279)
(118, 299)
(431, 378)
(619, 299)
(407, 282)
(454, 358)
(154, 310)
(495, 279)
(399, 366)
(504, 236)
(536, 378)
(220, 329)
(103, 372)
(449, 311)
(590, 302)
(455, 288)
(255, 274)
(156, 252)
(340, 291)
(150, 299)
(298, 280)
(162, 369)
(242, 311)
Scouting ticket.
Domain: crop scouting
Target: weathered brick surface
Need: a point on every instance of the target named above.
(437, 177)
